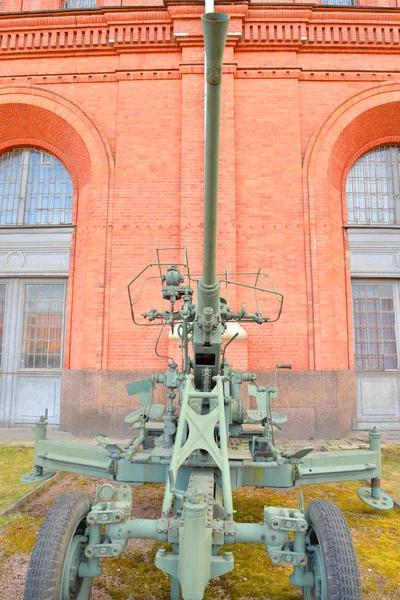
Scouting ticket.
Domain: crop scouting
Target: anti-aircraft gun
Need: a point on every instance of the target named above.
(203, 453)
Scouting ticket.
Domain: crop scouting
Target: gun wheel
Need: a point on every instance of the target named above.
(53, 572)
(331, 554)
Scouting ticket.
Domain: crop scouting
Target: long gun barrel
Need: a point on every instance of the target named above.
(207, 338)
(215, 28)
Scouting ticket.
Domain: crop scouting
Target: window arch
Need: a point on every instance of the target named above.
(373, 188)
(35, 189)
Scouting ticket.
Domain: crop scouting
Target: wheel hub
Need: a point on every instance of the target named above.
(318, 572)
(71, 582)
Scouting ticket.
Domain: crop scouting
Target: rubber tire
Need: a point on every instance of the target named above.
(65, 518)
(328, 529)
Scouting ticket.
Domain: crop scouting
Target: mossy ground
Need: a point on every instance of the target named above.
(376, 536)
(15, 462)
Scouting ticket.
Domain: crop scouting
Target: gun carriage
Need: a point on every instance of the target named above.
(205, 451)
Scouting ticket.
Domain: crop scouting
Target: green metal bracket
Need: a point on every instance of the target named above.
(139, 387)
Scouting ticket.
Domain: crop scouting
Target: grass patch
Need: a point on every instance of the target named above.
(391, 471)
(15, 461)
(134, 576)
(19, 535)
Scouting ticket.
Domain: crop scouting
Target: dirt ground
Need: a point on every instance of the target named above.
(13, 567)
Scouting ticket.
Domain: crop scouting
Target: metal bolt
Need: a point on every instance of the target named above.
(103, 550)
(91, 519)
(288, 524)
(162, 551)
(288, 558)
(275, 556)
(274, 523)
(227, 555)
(89, 552)
(303, 525)
(104, 517)
(303, 560)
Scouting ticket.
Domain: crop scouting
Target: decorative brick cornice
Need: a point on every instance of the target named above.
(315, 28)
(300, 28)
(86, 32)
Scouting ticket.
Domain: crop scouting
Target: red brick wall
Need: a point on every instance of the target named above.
(120, 102)
(37, 5)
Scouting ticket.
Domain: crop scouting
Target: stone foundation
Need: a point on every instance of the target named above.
(319, 404)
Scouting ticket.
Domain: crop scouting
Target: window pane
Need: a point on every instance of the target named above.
(374, 327)
(2, 310)
(11, 171)
(372, 187)
(79, 4)
(49, 191)
(36, 184)
(339, 2)
(43, 326)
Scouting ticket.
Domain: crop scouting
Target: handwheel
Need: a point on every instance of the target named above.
(59, 550)
(331, 554)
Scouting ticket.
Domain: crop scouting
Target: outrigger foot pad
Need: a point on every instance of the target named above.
(381, 501)
(36, 478)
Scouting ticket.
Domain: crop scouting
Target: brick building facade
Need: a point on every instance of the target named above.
(115, 94)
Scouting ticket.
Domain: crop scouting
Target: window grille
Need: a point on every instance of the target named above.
(339, 2)
(2, 309)
(35, 189)
(43, 326)
(373, 188)
(79, 4)
(374, 327)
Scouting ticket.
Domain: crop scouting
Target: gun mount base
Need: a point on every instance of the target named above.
(80, 532)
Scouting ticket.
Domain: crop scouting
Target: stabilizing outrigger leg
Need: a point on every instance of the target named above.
(374, 496)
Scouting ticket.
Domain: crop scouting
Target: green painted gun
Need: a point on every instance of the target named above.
(202, 443)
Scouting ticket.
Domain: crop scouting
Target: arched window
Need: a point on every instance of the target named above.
(373, 188)
(35, 189)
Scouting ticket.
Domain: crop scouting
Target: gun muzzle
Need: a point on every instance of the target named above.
(215, 29)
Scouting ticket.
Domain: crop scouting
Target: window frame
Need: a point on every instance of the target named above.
(4, 282)
(82, 2)
(339, 3)
(21, 320)
(395, 283)
(393, 164)
(26, 199)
